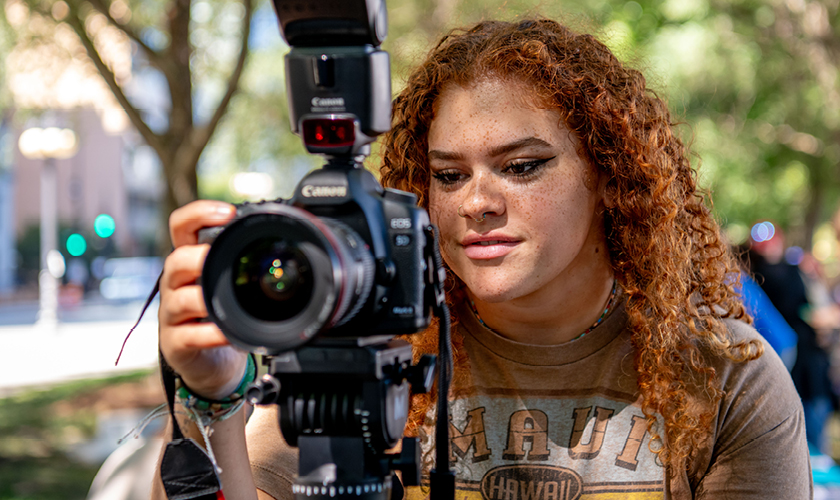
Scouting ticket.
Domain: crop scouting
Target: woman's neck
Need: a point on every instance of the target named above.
(555, 314)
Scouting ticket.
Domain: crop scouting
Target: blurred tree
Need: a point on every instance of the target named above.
(173, 39)
(759, 82)
(793, 123)
(756, 81)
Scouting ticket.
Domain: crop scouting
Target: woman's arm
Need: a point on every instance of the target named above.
(198, 351)
(228, 443)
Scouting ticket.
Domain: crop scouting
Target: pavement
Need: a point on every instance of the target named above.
(83, 344)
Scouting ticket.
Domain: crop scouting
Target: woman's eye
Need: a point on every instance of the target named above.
(448, 176)
(524, 168)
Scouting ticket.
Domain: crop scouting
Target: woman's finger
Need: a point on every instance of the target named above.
(183, 304)
(183, 266)
(186, 340)
(185, 221)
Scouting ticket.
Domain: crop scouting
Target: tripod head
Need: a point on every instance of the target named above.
(344, 403)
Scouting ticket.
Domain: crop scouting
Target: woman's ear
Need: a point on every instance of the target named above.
(607, 189)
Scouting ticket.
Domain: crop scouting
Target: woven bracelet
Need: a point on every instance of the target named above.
(218, 408)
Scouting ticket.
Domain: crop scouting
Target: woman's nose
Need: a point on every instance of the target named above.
(483, 199)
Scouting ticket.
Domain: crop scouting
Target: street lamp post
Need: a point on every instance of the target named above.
(49, 145)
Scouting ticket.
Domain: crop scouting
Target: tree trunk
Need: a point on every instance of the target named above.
(815, 205)
(181, 188)
(180, 146)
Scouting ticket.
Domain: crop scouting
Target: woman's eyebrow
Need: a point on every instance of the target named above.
(445, 155)
(520, 143)
(435, 154)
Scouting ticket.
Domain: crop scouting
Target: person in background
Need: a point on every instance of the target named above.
(785, 287)
(768, 321)
(823, 313)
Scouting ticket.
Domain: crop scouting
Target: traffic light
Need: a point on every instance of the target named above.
(104, 225)
(76, 244)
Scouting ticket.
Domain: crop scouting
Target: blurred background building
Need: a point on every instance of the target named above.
(108, 205)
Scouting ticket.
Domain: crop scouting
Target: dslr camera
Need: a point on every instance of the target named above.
(343, 257)
(320, 284)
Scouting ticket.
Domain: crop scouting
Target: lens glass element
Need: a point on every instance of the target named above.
(274, 279)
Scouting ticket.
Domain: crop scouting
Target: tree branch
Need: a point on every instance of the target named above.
(178, 73)
(153, 55)
(150, 137)
(201, 135)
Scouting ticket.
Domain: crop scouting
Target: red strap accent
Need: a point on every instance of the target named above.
(220, 495)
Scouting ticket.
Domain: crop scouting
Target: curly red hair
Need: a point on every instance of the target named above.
(665, 247)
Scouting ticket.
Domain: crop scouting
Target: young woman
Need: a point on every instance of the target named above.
(600, 349)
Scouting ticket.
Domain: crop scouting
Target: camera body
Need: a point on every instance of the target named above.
(344, 257)
(350, 260)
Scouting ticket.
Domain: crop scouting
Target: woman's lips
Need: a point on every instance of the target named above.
(488, 248)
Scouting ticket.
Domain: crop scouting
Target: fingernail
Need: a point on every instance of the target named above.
(224, 209)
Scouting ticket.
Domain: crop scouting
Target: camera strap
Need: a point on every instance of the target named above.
(187, 471)
(149, 300)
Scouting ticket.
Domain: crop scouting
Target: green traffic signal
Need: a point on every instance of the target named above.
(76, 244)
(104, 225)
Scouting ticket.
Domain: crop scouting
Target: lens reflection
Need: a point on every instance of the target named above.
(274, 280)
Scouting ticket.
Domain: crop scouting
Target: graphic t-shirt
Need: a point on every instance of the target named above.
(550, 422)
(564, 423)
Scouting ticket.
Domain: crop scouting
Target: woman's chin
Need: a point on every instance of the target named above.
(493, 295)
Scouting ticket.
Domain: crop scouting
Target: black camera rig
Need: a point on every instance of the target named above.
(322, 283)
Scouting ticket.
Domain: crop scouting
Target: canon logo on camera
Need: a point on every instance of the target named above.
(310, 191)
(327, 102)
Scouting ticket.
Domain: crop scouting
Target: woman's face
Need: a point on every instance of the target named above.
(497, 154)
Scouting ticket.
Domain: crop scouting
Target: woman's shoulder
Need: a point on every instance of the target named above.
(767, 370)
(740, 330)
(759, 414)
(760, 387)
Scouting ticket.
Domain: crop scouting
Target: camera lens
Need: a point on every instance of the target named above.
(274, 280)
(279, 275)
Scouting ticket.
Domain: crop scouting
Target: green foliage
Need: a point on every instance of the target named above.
(44, 478)
(31, 410)
(7, 41)
(758, 84)
(34, 437)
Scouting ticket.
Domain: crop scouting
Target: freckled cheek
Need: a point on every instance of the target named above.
(446, 222)
(539, 206)
(553, 215)
(437, 209)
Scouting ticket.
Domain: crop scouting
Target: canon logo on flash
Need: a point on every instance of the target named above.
(325, 102)
(310, 191)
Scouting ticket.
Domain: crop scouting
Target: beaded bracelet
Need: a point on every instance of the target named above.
(212, 410)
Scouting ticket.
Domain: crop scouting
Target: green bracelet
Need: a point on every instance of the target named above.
(207, 405)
